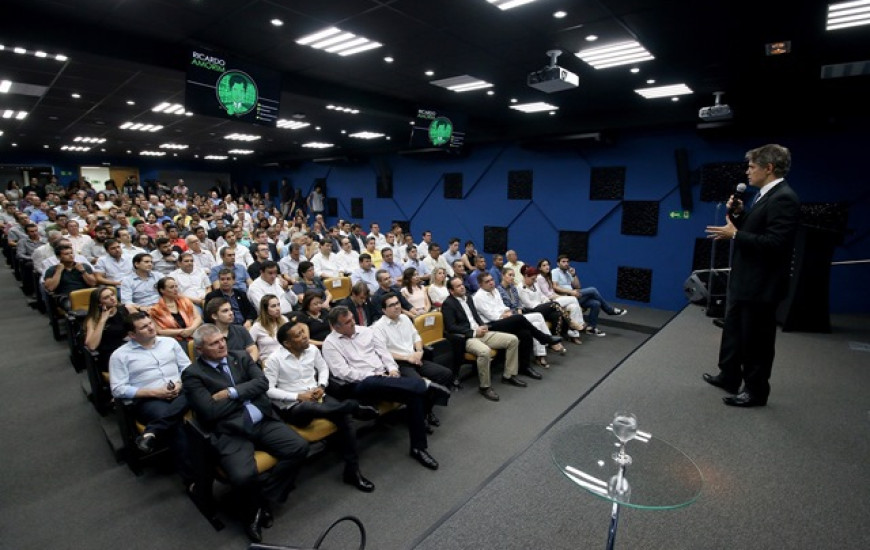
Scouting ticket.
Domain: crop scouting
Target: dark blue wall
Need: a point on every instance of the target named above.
(826, 167)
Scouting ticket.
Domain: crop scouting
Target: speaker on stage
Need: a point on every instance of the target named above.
(708, 288)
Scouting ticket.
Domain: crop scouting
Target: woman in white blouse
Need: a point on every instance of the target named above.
(538, 281)
(267, 324)
(437, 290)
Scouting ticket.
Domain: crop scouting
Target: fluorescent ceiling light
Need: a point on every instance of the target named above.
(335, 40)
(80, 139)
(173, 146)
(843, 15)
(508, 4)
(61, 57)
(242, 137)
(462, 83)
(535, 107)
(5, 85)
(277, 22)
(76, 148)
(215, 157)
(152, 153)
(240, 151)
(40, 54)
(623, 53)
(664, 91)
(292, 124)
(350, 110)
(141, 127)
(169, 108)
(317, 145)
(19, 51)
(366, 135)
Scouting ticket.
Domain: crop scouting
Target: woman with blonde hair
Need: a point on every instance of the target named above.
(265, 328)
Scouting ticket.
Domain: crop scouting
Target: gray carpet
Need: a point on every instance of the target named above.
(791, 475)
(60, 486)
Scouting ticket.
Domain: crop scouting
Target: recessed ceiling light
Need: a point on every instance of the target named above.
(131, 102)
(61, 57)
(635, 70)
(389, 59)
(45, 146)
(317, 128)
(103, 149)
(848, 14)
(5, 86)
(21, 51)
(534, 107)
(242, 137)
(334, 40)
(675, 99)
(622, 53)
(14, 145)
(560, 14)
(651, 81)
(152, 153)
(366, 135)
(317, 145)
(508, 4)
(276, 22)
(344, 131)
(490, 92)
(40, 54)
(592, 38)
(241, 151)
(429, 73)
(75, 95)
(552, 113)
(52, 117)
(664, 91)
(513, 100)
(291, 124)
(463, 83)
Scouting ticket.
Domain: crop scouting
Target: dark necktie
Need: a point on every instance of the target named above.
(361, 318)
(253, 414)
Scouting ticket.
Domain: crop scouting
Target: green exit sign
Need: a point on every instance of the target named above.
(679, 215)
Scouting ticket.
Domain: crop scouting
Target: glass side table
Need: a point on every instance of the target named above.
(660, 477)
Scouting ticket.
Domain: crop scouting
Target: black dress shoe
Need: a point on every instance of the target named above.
(744, 399)
(514, 381)
(551, 340)
(424, 458)
(719, 382)
(356, 479)
(145, 442)
(432, 419)
(266, 517)
(457, 385)
(489, 393)
(531, 373)
(366, 412)
(440, 394)
(254, 529)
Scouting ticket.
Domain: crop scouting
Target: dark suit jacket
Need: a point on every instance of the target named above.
(226, 416)
(372, 313)
(763, 247)
(379, 294)
(455, 320)
(248, 310)
(356, 245)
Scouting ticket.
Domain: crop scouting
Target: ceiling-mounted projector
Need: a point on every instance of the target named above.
(719, 111)
(553, 78)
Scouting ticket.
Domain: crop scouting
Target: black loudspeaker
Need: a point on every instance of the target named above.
(684, 178)
(356, 209)
(273, 189)
(453, 185)
(709, 291)
(385, 186)
(331, 207)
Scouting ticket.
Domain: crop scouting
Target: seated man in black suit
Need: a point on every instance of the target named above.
(354, 354)
(386, 286)
(227, 393)
(244, 313)
(361, 307)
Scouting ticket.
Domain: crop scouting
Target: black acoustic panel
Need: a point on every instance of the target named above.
(331, 206)
(273, 189)
(832, 216)
(404, 224)
(703, 250)
(356, 209)
(385, 186)
(719, 179)
(640, 218)
(575, 244)
(453, 185)
(495, 239)
(607, 183)
(520, 185)
(634, 283)
(684, 178)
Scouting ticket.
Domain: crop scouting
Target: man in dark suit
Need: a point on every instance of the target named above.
(244, 313)
(763, 238)
(227, 393)
(461, 319)
(360, 305)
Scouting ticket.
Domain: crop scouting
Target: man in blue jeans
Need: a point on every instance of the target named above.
(565, 282)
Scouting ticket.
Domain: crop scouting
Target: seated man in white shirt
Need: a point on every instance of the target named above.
(347, 259)
(435, 260)
(405, 345)
(354, 354)
(423, 271)
(289, 265)
(269, 283)
(203, 260)
(298, 376)
(325, 264)
(193, 283)
(115, 266)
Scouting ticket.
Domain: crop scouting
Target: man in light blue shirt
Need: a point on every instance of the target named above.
(565, 282)
(146, 371)
(139, 290)
(365, 273)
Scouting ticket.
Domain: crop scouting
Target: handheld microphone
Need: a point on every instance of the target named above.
(738, 196)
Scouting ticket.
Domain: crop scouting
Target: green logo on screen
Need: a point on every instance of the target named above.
(440, 131)
(236, 92)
